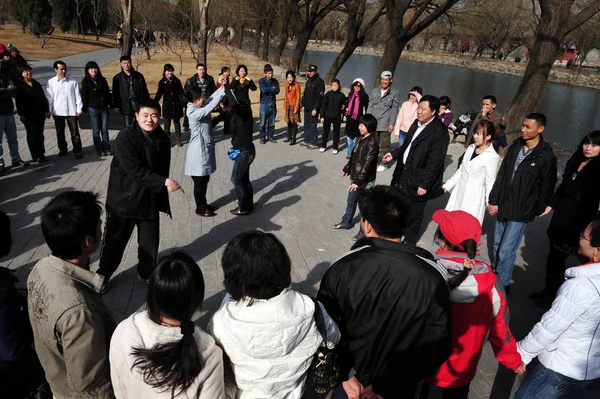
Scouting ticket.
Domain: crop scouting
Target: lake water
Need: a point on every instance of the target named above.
(572, 111)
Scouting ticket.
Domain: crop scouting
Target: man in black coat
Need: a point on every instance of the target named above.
(390, 303)
(138, 187)
(522, 191)
(202, 80)
(129, 89)
(420, 168)
(312, 99)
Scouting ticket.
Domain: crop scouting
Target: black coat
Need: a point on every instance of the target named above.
(575, 202)
(393, 310)
(351, 129)
(120, 89)
(208, 88)
(312, 97)
(95, 95)
(425, 163)
(136, 183)
(333, 101)
(8, 90)
(362, 166)
(241, 91)
(32, 103)
(527, 194)
(171, 92)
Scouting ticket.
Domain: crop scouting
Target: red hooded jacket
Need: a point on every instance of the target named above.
(478, 309)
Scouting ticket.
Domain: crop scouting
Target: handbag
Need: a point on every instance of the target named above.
(324, 372)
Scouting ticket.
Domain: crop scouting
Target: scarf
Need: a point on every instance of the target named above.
(353, 105)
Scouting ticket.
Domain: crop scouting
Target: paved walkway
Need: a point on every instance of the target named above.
(299, 195)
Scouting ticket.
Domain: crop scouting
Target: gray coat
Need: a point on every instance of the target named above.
(384, 109)
(200, 159)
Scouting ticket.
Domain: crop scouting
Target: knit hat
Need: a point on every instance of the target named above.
(458, 226)
(359, 80)
(386, 74)
(268, 68)
(11, 48)
(312, 68)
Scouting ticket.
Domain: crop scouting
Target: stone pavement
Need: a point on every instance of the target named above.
(299, 195)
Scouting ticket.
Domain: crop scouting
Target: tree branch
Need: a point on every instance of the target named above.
(582, 16)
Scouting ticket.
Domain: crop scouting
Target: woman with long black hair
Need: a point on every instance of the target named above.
(97, 101)
(160, 353)
(171, 89)
(575, 205)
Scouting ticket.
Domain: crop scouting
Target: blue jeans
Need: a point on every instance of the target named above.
(351, 204)
(541, 382)
(99, 123)
(402, 137)
(310, 128)
(240, 178)
(9, 127)
(507, 239)
(267, 122)
(350, 142)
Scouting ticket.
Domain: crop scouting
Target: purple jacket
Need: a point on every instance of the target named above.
(446, 118)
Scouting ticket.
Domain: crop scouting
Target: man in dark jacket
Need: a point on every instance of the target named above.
(129, 89)
(8, 127)
(523, 189)
(420, 168)
(202, 80)
(312, 99)
(138, 187)
(390, 302)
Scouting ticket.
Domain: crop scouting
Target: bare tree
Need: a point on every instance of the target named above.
(284, 29)
(79, 6)
(99, 10)
(127, 28)
(557, 19)
(204, 37)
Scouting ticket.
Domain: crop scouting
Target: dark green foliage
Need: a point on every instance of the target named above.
(35, 15)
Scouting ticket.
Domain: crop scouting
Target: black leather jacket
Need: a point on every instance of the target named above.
(362, 166)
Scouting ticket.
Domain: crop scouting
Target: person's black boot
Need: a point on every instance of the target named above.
(507, 289)
(294, 133)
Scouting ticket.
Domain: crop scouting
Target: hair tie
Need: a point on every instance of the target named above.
(187, 327)
(469, 263)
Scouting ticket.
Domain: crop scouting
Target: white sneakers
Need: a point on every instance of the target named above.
(322, 149)
(335, 152)
(382, 168)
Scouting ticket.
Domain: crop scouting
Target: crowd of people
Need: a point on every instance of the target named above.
(389, 320)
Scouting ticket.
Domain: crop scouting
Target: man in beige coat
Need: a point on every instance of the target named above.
(71, 324)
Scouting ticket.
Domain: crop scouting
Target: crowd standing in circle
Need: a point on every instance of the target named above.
(431, 315)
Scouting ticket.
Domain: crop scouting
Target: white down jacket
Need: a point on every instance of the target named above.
(567, 339)
(270, 343)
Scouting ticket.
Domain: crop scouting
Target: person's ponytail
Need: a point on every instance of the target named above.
(470, 247)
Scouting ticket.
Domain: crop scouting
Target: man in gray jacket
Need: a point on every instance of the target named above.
(71, 324)
(384, 104)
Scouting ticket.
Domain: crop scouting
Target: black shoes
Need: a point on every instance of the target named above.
(263, 141)
(207, 213)
(286, 140)
(42, 159)
(339, 226)
(78, 155)
(239, 212)
(62, 153)
(144, 280)
(293, 142)
(272, 140)
(358, 236)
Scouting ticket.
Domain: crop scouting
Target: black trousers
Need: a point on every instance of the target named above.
(35, 136)
(200, 188)
(176, 124)
(128, 119)
(447, 393)
(336, 132)
(414, 221)
(116, 235)
(73, 123)
(226, 118)
(555, 267)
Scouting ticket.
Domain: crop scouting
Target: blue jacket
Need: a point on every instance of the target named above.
(268, 90)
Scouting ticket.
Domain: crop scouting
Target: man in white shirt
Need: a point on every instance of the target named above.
(64, 101)
(418, 174)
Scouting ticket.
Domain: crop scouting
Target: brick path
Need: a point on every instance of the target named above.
(299, 195)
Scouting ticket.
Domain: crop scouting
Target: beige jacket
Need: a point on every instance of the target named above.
(71, 327)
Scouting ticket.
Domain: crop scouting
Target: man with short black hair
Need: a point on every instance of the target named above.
(269, 89)
(420, 168)
(488, 113)
(522, 191)
(202, 80)
(138, 189)
(129, 89)
(71, 324)
(401, 335)
(311, 102)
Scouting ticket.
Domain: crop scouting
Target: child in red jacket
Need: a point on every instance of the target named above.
(478, 306)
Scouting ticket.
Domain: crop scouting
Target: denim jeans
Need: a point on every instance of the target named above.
(240, 178)
(541, 382)
(507, 239)
(9, 127)
(401, 138)
(267, 122)
(99, 124)
(351, 204)
(350, 142)
(310, 128)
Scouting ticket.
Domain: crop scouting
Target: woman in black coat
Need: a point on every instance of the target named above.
(97, 102)
(356, 106)
(171, 89)
(575, 205)
(242, 84)
(32, 107)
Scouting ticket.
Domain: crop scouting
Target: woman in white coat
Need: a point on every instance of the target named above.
(566, 340)
(200, 160)
(267, 329)
(471, 184)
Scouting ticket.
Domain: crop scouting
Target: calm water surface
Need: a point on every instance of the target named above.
(572, 111)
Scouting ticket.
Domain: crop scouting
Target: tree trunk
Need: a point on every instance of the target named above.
(267, 32)
(127, 8)
(391, 55)
(259, 28)
(203, 40)
(301, 44)
(283, 39)
(341, 59)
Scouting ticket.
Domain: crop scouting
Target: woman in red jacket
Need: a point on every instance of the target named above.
(478, 306)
